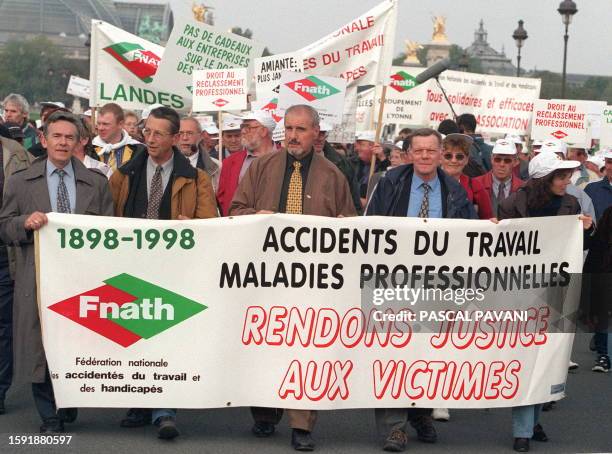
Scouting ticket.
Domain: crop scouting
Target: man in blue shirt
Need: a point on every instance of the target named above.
(422, 190)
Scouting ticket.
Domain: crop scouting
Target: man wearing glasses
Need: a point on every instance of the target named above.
(160, 183)
(500, 181)
(423, 190)
(256, 130)
(190, 144)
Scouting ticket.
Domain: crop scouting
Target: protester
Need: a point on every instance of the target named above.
(544, 194)
(80, 152)
(231, 138)
(480, 151)
(113, 144)
(500, 181)
(398, 156)
(448, 126)
(210, 136)
(58, 183)
(365, 146)
(596, 164)
(130, 123)
(257, 139)
(404, 133)
(455, 157)
(421, 190)
(15, 132)
(296, 181)
(521, 171)
(160, 183)
(582, 175)
(190, 144)
(17, 110)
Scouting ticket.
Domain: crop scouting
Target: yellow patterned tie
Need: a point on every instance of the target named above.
(294, 195)
(112, 160)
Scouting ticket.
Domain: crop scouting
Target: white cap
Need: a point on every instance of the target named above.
(231, 123)
(210, 128)
(546, 163)
(554, 145)
(504, 146)
(599, 160)
(607, 153)
(146, 112)
(368, 136)
(58, 104)
(515, 138)
(537, 143)
(87, 113)
(325, 126)
(399, 144)
(263, 117)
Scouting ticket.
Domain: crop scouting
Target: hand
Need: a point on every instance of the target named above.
(378, 150)
(587, 221)
(183, 218)
(35, 221)
(494, 220)
(265, 212)
(340, 216)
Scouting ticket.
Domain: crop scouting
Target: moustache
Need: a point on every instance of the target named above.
(294, 142)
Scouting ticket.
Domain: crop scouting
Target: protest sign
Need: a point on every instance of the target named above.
(565, 120)
(267, 72)
(77, 86)
(122, 69)
(307, 311)
(325, 94)
(218, 89)
(606, 128)
(364, 114)
(196, 45)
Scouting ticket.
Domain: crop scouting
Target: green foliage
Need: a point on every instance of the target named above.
(595, 88)
(38, 70)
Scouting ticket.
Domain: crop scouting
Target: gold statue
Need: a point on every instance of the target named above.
(439, 30)
(199, 12)
(412, 47)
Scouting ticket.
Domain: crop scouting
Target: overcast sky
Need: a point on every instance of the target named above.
(284, 26)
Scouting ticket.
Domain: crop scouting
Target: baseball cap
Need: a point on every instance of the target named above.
(545, 163)
(607, 153)
(263, 117)
(231, 123)
(57, 104)
(554, 145)
(368, 136)
(211, 129)
(399, 144)
(504, 146)
(598, 160)
(87, 113)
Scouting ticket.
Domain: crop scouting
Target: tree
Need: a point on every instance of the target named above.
(247, 33)
(38, 70)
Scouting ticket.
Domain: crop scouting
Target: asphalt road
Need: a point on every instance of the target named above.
(582, 422)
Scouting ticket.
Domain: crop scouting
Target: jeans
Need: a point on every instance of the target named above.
(524, 419)
(601, 342)
(161, 412)
(6, 325)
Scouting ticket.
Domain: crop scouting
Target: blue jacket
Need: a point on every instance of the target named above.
(392, 195)
(600, 193)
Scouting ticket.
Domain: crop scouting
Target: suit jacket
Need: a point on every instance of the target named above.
(25, 193)
(326, 192)
(228, 181)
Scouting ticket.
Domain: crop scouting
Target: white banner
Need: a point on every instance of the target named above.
(307, 311)
(606, 128)
(77, 86)
(196, 45)
(325, 94)
(562, 119)
(219, 89)
(122, 69)
(268, 71)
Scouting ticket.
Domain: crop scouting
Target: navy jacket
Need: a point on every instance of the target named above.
(600, 193)
(392, 195)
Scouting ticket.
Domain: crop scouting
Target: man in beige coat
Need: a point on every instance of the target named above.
(295, 181)
(61, 183)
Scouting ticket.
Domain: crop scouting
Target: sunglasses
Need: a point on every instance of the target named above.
(458, 156)
(497, 159)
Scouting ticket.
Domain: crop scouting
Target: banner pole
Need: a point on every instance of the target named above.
(220, 137)
(383, 97)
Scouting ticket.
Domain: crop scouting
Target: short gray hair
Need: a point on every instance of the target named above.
(63, 116)
(193, 119)
(314, 115)
(15, 98)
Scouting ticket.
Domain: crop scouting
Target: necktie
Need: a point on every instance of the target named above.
(501, 193)
(112, 160)
(155, 194)
(424, 211)
(63, 200)
(294, 195)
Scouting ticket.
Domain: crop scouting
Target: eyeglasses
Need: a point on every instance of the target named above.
(458, 156)
(155, 134)
(187, 133)
(499, 159)
(422, 151)
(249, 128)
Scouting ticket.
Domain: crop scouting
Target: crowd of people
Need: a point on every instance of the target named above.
(159, 165)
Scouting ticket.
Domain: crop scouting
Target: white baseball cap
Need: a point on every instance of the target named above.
(231, 123)
(545, 163)
(211, 129)
(504, 146)
(598, 160)
(87, 113)
(607, 153)
(146, 112)
(515, 138)
(263, 117)
(368, 136)
(325, 126)
(537, 143)
(554, 145)
(399, 144)
(58, 104)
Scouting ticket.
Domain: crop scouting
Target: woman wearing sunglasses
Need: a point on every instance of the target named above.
(455, 157)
